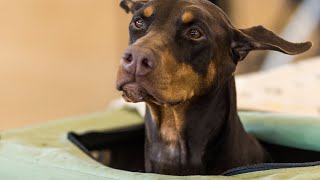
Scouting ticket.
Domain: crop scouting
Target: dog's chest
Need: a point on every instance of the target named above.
(167, 158)
(175, 159)
(167, 151)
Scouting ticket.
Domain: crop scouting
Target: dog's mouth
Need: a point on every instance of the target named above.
(134, 92)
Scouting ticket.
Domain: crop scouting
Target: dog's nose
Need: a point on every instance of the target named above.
(138, 60)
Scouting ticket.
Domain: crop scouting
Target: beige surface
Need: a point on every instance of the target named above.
(58, 58)
(291, 89)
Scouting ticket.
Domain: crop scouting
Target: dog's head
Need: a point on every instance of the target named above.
(180, 49)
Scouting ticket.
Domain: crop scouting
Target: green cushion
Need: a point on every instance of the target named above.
(288, 130)
(43, 151)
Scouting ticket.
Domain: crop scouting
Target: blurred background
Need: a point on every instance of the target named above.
(59, 58)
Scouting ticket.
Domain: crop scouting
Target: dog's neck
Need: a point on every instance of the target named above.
(199, 133)
(175, 122)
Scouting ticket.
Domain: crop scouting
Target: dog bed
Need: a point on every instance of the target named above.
(44, 152)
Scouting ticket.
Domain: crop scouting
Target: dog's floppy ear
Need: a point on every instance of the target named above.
(259, 38)
(132, 5)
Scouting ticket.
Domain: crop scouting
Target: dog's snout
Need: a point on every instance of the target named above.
(139, 61)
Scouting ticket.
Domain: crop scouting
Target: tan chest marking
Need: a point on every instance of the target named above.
(170, 121)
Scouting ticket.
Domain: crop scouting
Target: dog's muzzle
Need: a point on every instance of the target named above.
(136, 64)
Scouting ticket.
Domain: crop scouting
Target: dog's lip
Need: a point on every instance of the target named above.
(138, 95)
(122, 83)
(134, 92)
(119, 87)
(146, 93)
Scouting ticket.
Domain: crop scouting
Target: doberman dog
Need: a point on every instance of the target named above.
(181, 62)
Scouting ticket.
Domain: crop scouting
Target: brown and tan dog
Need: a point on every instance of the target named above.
(181, 62)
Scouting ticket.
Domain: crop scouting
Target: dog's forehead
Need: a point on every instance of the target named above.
(185, 10)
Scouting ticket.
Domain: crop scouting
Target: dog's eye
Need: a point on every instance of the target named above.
(194, 34)
(138, 23)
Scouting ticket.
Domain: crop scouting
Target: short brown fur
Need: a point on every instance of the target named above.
(187, 80)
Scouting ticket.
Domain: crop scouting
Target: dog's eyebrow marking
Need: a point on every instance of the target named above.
(148, 11)
(187, 17)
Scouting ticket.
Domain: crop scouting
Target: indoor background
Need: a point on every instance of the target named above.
(59, 58)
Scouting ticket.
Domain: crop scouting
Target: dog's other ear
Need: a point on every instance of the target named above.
(259, 38)
(132, 5)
